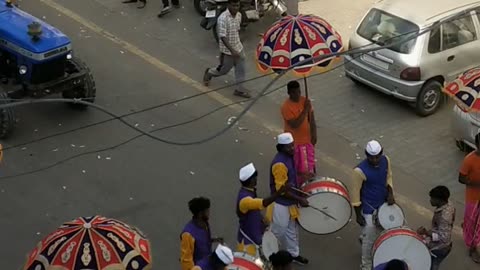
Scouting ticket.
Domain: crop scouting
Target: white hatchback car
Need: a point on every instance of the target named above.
(415, 71)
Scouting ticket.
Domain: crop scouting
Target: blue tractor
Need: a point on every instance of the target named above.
(36, 60)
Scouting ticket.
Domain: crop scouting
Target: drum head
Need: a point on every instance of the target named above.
(390, 216)
(406, 248)
(335, 205)
(269, 244)
(244, 261)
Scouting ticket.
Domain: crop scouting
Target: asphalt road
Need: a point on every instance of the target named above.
(147, 183)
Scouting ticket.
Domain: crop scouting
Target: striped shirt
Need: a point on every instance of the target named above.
(229, 27)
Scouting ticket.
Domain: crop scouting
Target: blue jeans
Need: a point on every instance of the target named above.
(440, 255)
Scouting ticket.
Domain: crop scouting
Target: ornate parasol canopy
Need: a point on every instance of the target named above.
(92, 243)
(465, 90)
(294, 39)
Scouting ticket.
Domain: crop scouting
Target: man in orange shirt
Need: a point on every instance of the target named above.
(470, 176)
(299, 120)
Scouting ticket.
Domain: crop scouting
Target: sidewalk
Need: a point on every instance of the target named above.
(344, 15)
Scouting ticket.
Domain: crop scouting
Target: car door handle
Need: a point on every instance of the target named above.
(450, 58)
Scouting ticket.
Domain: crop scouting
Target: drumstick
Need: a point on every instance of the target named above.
(323, 212)
(319, 210)
(300, 191)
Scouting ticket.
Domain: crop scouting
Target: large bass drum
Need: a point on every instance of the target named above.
(243, 261)
(330, 208)
(403, 244)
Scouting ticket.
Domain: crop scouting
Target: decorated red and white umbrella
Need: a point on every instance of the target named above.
(294, 39)
(465, 90)
(92, 243)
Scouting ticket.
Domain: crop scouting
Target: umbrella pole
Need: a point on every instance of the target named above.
(306, 86)
(306, 93)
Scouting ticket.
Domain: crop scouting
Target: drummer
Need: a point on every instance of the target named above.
(249, 206)
(218, 260)
(372, 186)
(283, 214)
(196, 240)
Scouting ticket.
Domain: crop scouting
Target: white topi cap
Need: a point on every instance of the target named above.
(373, 148)
(285, 138)
(246, 172)
(224, 254)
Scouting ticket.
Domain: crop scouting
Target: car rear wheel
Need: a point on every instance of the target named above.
(7, 117)
(429, 98)
(87, 92)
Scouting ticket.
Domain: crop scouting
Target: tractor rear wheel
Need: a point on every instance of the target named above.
(87, 92)
(7, 117)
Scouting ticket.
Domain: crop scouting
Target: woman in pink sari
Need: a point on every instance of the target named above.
(470, 176)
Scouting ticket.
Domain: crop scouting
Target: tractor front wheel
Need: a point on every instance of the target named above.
(87, 92)
(7, 117)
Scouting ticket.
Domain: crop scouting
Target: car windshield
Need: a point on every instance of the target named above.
(384, 29)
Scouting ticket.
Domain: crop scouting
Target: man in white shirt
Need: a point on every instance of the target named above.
(231, 48)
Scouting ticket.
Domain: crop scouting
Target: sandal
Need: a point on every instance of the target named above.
(242, 94)
(475, 257)
(206, 77)
(144, 2)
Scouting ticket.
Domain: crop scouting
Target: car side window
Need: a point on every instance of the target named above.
(452, 34)
(458, 32)
(434, 42)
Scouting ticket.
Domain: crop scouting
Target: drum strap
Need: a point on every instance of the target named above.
(257, 247)
(249, 239)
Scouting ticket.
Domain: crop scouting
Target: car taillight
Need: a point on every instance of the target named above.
(411, 74)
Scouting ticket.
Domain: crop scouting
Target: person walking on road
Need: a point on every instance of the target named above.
(217, 260)
(281, 260)
(231, 48)
(167, 8)
(299, 120)
(251, 221)
(372, 186)
(439, 237)
(470, 176)
(196, 240)
(283, 213)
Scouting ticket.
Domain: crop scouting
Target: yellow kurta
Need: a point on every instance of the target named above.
(280, 176)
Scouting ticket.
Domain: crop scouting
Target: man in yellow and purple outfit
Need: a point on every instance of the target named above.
(283, 213)
(196, 240)
(249, 206)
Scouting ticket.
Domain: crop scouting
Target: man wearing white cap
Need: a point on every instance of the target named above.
(218, 260)
(283, 213)
(372, 187)
(251, 222)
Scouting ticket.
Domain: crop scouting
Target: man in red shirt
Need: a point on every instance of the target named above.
(299, 120)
